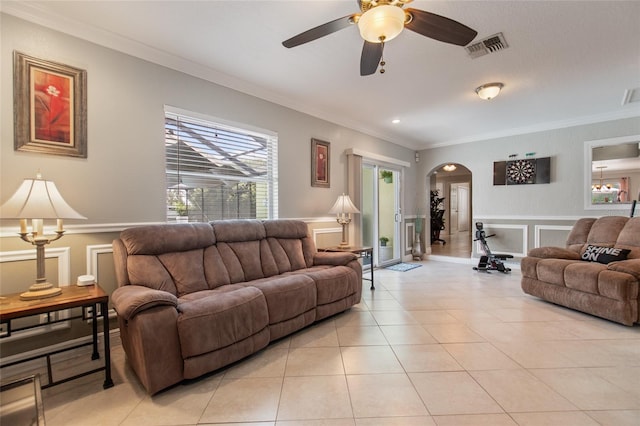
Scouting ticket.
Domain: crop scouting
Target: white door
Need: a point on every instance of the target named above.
(463, 207)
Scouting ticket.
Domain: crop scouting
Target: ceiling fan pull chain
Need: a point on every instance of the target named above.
(382, 62)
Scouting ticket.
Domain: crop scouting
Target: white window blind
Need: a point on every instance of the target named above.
(216, 171)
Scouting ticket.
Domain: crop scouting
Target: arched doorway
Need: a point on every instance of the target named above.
(452, 184)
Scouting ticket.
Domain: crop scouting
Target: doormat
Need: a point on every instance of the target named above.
(403, 267)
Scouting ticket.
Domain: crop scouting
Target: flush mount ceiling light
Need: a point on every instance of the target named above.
(395, 121)
(449, 167)
(489, 91)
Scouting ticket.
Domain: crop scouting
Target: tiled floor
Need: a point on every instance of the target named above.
(458, 245)
(438, 345)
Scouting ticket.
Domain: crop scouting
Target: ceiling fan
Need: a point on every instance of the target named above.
(380, 22)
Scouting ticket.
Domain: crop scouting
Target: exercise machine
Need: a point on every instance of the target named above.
(489, 261)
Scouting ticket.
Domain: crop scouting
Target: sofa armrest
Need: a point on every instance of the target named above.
(333, 258)
(130, 300)
(553, 253)
(629, 266)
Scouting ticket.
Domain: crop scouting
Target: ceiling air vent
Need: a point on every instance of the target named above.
(490, 44)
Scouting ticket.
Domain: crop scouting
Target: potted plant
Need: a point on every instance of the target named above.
(181, 211)
(387, 176)
(384, 241)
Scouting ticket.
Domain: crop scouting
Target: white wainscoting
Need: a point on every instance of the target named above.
(409, 234)
(525, 238)
(93, 252)
(537, 231)
(63, 254)
(319, 231)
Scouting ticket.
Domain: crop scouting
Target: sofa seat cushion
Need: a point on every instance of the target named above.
(332, 283)
(286, 296)
(552, 270)
(220, 319)
(583, 276)
(617, 285)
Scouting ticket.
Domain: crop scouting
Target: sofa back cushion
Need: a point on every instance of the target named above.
(629, 238)
(579, 233)
(167, 257)
(291, 245)
(243, 249)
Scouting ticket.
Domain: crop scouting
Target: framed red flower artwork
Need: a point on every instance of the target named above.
(50, 107)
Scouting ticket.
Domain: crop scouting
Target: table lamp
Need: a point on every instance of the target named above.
(38, 199)
(343, 209)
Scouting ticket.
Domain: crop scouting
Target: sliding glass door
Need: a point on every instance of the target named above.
(381, 213)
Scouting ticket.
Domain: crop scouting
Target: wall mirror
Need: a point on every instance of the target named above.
(612, 173)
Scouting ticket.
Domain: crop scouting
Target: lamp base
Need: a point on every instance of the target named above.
(41, 291)
(344, 245)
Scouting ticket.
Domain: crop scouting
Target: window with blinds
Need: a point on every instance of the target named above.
(216, 171)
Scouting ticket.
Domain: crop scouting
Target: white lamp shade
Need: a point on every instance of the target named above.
(489, 91)
(381, 23)
(344, 205)
(38, 199)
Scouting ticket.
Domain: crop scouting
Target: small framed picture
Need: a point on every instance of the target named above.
(50, 107)
(320, 163)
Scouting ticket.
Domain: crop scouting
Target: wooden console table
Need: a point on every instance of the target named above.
(362, 252)
(12, 308)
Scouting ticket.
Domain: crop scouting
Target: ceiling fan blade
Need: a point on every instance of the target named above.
(320, 31)
(370, 59)
(440, 28)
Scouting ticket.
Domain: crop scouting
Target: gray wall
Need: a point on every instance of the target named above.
(121, 183)
(559, 203)
(125, 165)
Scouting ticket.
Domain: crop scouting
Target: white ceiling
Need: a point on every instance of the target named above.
(568, 63)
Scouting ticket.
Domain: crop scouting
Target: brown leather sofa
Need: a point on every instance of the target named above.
(587, 275)
(192, 298)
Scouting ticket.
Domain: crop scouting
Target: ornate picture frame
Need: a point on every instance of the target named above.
(50, 107)
(320, 163)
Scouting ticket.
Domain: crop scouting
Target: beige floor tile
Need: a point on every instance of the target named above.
(244, 400)
(534, 354)
(627, 378)
(424, 358)
(471, 316)
(314, 397)
(314, 362)
(453, 393)
(586, 390)
(370, 360)
(324, 334)
(361, 336)
(396, 421)
(566, 418)
(406, 335)
(453, 333)
(480, 356)
(475, 420)
(322, 422)
(384, 395)
(180, 404)
(519, 390)
(616, 417)
(270, 362)
(399, 317)
(383, 305)
(438, 316)
(353, 318)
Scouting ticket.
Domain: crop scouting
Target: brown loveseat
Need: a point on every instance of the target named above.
(192, 298)
(587, 275)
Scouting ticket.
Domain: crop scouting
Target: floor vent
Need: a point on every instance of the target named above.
(490, 44)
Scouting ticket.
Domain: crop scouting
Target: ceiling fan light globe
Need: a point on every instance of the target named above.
(381, 23)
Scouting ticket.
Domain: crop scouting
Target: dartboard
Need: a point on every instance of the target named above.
(521, 171)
